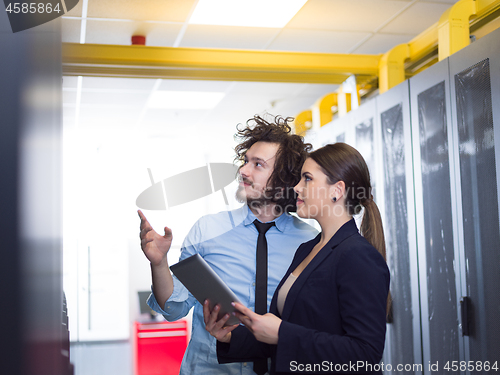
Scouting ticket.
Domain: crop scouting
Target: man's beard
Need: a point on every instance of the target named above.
(261, 201)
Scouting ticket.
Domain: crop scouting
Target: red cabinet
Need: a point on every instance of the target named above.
(159, 347)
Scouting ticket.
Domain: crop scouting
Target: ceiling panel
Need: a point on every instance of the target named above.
(289, 107)
(69, 113)
(317, 41)
(69, 97)
(318, 90)
(159, 35)
(238, 107)
(152, 10)
(188, 85)
(121, 32)
(381, 43)
(168, 121)
(70, 30)
(117, 83)
(416, 18)
(210, 36)
(267, 88)
(70, 82)
(341, 15)
(109, 117)
(76, 11)
(115, 99)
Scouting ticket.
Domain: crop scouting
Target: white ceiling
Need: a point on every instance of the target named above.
(331, 26)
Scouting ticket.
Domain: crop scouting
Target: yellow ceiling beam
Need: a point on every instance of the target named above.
(427, 41)
(303, 122)
(392, 67)
(453, 29)
(449, 35)
(322, 112)
(424, 43)
(485, 7)
(344, 103)
(214, 64)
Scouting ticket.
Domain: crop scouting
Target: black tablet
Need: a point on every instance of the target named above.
(203, 283)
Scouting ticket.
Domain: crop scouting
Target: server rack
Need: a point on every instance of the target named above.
(433, 143)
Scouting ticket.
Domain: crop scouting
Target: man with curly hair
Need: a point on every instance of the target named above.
(271, 159)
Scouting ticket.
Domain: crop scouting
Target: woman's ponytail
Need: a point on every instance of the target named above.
(372, 230)
(371, 226)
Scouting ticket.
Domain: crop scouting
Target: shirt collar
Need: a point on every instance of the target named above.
(280, 222)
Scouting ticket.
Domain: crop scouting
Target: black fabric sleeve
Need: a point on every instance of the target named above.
(362, 280)
(243, 347)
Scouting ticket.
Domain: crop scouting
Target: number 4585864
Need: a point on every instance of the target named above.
(32, 8)
(471, 366)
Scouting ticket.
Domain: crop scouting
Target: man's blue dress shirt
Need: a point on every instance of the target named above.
(227, 241)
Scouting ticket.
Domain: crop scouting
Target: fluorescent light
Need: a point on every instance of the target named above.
(184, 99)
(252, 13)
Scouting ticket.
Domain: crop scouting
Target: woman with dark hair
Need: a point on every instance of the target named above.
(328, 314)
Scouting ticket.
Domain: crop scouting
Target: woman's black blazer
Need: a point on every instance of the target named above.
(334, 317)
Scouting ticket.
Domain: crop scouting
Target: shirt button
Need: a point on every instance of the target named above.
(244, 364)
(253, 284)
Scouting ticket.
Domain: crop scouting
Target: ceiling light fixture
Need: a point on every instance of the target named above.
(250, 13)
(184, 99)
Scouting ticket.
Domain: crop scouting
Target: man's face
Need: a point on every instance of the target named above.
(255, 172)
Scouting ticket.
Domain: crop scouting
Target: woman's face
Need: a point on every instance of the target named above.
(314, 192)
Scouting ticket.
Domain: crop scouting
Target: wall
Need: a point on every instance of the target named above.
(34, 340)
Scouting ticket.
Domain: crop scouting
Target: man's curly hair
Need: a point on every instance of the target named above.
(290, 156)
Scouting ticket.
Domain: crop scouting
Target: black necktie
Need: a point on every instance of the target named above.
(260, 366)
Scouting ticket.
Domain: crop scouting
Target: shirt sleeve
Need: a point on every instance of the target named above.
(363, 283)
(180, 301)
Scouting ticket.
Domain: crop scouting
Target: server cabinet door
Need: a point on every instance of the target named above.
(363, 120)
(431, 133)
(475, 87)
(395, 200)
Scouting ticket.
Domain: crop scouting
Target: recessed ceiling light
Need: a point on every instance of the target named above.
(184, 99)
(250, 13)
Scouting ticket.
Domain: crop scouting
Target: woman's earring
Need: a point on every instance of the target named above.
(334, 199)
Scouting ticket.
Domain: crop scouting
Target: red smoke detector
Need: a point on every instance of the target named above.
(138, 40)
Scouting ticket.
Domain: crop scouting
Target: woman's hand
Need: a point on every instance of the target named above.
(265, 328)
(214, 327)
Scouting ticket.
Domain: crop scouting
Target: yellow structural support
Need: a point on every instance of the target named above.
(484, 7)
(448, 35)
(303, 122)
(453, 29)
(322, 110)
(214, 64)
(345, 105)
(424, 43)
(392, 67)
